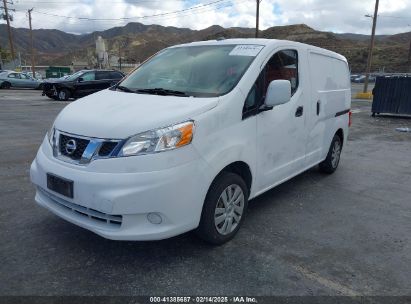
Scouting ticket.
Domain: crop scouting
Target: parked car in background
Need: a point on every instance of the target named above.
(361, 79)
(38, 75)
(354, 76)
(11, 79)
(80, 84)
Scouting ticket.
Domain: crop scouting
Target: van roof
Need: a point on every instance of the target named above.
(265, 42)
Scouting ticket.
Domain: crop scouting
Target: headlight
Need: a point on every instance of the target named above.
(159, 139)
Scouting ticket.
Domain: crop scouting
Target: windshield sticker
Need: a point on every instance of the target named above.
(246, 50)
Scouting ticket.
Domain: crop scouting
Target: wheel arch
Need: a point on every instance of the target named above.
(240, 168)
(64, 87)
(340, 134)
(5, 83)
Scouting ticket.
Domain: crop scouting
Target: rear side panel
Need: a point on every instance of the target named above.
(330, 102)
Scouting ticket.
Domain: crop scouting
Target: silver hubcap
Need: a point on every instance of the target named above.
(335, 154)
(229, 209)
(62, 95)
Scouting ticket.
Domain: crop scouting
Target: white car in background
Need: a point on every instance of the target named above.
(38, 75)
(11, 79)
(187, 139)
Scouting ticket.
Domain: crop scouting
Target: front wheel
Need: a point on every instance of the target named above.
(224, 209)
(330, 164)
(5, 85)
(64, 95)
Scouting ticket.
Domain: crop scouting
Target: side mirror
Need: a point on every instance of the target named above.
(278, 92)
(80, 79)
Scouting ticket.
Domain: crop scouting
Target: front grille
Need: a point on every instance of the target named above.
(81, 145)
(82, 150)
(88, 214)
(107, 148)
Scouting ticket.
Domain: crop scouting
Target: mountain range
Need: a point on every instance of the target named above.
(136, 41)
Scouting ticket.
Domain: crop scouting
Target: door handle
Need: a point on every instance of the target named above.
(299, 111)
(318, 108)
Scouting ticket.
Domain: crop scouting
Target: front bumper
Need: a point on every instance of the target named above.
(116, 205)
(49, 90)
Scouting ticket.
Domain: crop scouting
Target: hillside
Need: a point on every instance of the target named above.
(138, 41)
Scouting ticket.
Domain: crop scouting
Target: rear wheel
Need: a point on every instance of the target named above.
(330, 164)
(64, 95)
(224, 209)
(6, 85)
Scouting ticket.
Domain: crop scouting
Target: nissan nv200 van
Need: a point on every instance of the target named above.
(188, 138)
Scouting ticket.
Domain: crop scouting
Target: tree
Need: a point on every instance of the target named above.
(5, 54)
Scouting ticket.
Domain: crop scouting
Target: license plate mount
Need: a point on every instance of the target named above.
(60, 185)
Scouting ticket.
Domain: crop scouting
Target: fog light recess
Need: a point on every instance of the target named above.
(154, 218)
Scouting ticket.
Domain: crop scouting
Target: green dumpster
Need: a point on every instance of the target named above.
(57, 72)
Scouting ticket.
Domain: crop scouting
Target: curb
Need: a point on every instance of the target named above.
(367, 95)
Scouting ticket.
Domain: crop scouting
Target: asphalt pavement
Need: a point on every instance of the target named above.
(343, 234)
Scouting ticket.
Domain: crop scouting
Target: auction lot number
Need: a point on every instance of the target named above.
(189, 299)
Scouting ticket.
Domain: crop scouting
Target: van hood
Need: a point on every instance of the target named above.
(118, 115)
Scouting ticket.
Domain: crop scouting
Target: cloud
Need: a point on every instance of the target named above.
(337, 15)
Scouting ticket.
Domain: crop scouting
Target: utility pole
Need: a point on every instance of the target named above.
(257, 18)
(119, 54)
(369, 60)
(32, 45)
(409, 59)
(6, 12)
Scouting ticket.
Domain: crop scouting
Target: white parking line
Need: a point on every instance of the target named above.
(344, 290)
(357, 110)
(11, 97)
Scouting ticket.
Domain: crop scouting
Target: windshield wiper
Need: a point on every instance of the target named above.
(161, 91)
(124, 89)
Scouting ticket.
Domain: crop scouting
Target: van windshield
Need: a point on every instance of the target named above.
(199, 71)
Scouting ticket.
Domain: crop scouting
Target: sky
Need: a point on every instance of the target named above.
(340, 16)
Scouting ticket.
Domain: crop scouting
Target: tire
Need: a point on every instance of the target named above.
(330, 164)
(6, 85)
(40, 87)
(225, 185)
(63, 95)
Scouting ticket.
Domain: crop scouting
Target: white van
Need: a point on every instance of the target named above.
(187, 139)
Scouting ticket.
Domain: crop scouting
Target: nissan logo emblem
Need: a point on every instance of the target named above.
(71, 146)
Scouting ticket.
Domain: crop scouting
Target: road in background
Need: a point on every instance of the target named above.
(358, 88)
